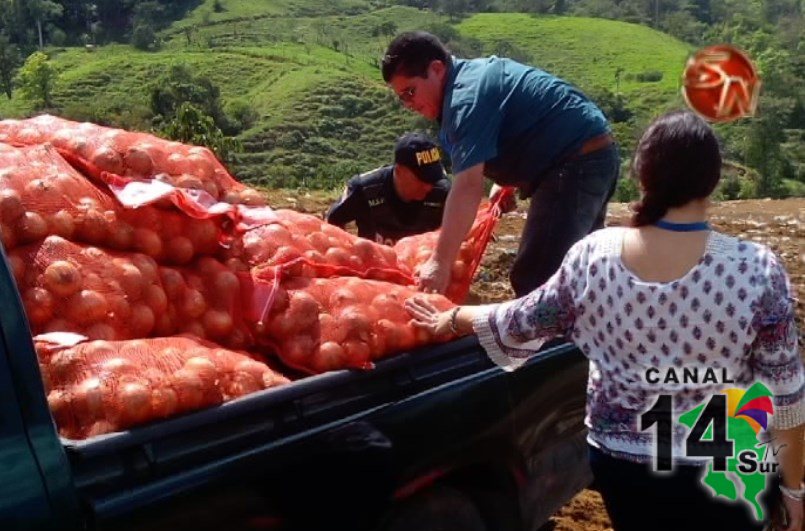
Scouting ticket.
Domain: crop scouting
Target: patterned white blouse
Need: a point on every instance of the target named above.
(729, 319)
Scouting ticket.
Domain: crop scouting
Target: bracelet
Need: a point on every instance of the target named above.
(453, 315)
(794, 494)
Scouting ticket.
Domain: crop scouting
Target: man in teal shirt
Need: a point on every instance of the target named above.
(518, 126)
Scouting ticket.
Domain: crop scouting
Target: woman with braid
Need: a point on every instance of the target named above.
(666, 295)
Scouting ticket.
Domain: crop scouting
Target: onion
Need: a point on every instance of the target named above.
(117, 366)
(204, 235)
(93, 227)
(193, 304)
(108, 159)
(217, 323)
(298, 350)
(241, 384)
(252, 197)
(189, 389)
(164, 402)
(38, 305)
(194, 328)
(236, 265)
(59, 404)
(226, 285)
(62, 278)
(31, 227)
(190, 182)
(342, 297)
(179, 250)
(121, 236)
(87, 306)
(148, 242)
(134, 400)
(398, 336)
(142, 320)
(155, 298)
(330, 356)
(285, 254)
(88, 400)
(60, 325)
(17, 265)
(11, 207)
(62, 224)
(173, 282)
(459, 271)
(357, 322)
(204, 368)
(357, 353)
(147, 266)
(163, 326)
(238, 338)
(138, 161)
(119, 307)
(304, 308)
(131, 280)
(337, 256)
(8, 237)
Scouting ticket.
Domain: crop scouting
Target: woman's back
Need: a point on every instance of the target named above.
(658, 255)
(685, 327)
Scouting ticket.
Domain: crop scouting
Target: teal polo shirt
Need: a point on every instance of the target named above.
(517, 119)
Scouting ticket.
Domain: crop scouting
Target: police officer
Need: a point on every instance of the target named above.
(399, 200)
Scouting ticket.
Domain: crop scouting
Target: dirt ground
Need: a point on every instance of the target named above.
(779, 224)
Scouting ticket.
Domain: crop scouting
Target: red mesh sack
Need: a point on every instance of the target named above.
(304, 245)
(317, 325)
(414, 251)
(99, 387)
(83, 289)
(40, 195)
(69, 287)
(204, 300)
(131, 154)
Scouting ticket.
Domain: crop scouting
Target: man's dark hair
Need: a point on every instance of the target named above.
(677, 160)
(410, 53)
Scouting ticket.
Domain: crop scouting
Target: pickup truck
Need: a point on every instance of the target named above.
(439, 438)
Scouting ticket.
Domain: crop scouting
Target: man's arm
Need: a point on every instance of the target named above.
(459, 215)
(350, 207)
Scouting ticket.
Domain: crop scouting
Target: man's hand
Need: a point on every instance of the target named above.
(433, 277)
(507, 205)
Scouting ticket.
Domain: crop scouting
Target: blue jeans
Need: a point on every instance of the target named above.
(569, 202)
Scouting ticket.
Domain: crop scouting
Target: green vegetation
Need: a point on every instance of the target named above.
(295, 83)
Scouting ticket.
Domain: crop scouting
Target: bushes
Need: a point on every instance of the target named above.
(650, 76)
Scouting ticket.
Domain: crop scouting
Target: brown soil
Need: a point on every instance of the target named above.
(779, 224)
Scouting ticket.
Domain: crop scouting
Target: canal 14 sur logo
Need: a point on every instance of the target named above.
(729, 429)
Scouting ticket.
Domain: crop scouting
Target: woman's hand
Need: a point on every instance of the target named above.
(426, 316)
(794, 510)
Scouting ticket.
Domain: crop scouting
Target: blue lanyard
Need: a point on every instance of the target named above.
(682, 227)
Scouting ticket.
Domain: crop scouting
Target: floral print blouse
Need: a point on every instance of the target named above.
(728, 322)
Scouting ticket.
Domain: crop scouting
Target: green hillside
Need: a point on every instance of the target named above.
(309, 70)
(589, 51)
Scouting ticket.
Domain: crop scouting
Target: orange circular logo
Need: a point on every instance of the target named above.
(721, 84)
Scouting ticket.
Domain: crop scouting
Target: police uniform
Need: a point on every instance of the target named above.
(371, 201)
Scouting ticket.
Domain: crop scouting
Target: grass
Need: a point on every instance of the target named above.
(309, 70)
(589, 52)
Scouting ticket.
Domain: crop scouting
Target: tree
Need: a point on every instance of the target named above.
(143, 37)
(763, 141)
(192, 126)
(9, 61)
(178, 86)
(42, 11)
(36, 79)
